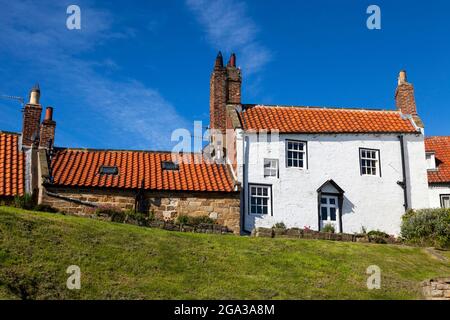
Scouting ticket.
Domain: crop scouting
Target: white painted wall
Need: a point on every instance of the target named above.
(435, 192)
(371, 201)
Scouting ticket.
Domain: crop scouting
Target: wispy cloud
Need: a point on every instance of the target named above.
(228, 26)
(35, 34)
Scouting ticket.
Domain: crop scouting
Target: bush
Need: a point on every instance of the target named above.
(24, 202)
(116, 214)
(138, 218)
(378, 236)
(194, 221)
(183, 220)
(45, 208)
(328, 228)
(427, 227)
(279, 225)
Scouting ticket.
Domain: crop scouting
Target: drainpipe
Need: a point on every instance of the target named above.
(244, 179)
(403, 183)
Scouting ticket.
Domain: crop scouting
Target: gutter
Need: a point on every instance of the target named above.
(403, 182)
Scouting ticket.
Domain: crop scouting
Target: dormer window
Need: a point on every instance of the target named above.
(170, 165)
(431, 160)
(109, 170)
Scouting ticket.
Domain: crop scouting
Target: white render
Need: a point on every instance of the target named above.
(435, 191)
(372, 202)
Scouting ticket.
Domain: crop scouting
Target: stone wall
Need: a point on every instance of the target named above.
(222, 207)
(436, 289)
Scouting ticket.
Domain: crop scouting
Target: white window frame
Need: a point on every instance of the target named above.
(301, 152)
(259, 194)
(430, 157)
(375, 170)
(272, 170)
(445, 196)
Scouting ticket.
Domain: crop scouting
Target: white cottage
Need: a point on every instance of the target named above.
(313, 166)
(438, 164)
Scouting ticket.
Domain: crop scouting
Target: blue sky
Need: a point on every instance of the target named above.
(137, 70)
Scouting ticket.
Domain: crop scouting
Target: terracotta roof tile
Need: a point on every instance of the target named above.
(441, 147)
(12, 165)
(80, 168)
(324, 120)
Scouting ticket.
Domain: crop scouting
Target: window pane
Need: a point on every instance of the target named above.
(323, 200)
(253, 190)
(333, 214)
(324, 213)
(446, 202)
(332, 201)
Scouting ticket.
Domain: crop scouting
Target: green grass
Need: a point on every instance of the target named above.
(126, 262)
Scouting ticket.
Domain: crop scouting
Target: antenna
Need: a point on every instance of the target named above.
(6, 97)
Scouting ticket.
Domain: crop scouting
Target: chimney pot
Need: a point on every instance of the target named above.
(219, 61)
(35, 94)
(232, 62)
(402, 78)
(49, 114)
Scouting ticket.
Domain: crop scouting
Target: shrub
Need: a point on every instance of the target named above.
(427, 227)
(116, 214)
(378, 236)
(138, 218)
(279, 225)
(328, 228)
(194, 221)
(183, 220)
(45, 208)
(24, 202)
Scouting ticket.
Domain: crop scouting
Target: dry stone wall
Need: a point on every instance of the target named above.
(167, 206)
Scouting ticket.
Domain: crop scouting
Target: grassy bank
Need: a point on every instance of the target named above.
(126, 262)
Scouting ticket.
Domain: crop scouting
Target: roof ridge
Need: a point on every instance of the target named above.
(11, 132)
(437, 137)
(322, 108)
(120, 150)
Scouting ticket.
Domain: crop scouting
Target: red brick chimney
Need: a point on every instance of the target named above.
(225, 88)
(32, 118)
(47, 134)
(234, 82)
(404, 95)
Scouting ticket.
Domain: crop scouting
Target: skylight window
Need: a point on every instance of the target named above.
(170, 165)
(110, 170)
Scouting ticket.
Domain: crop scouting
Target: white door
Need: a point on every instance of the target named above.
(329, 212)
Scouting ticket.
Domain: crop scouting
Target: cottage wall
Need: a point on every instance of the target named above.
(223, 207)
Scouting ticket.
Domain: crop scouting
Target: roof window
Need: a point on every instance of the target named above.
(110, 170)
(170, 165)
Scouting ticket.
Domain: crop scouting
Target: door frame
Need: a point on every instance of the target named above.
(340, 196)
(337, 222)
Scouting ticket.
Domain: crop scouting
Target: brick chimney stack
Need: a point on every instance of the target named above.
(225, 88)
(234, 82)
(404, 95)
(47, 133)
(31, 118)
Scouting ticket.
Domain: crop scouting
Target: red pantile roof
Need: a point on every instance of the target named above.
(12, 166)
(441, 147)
(80, 168)
(324, 120)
